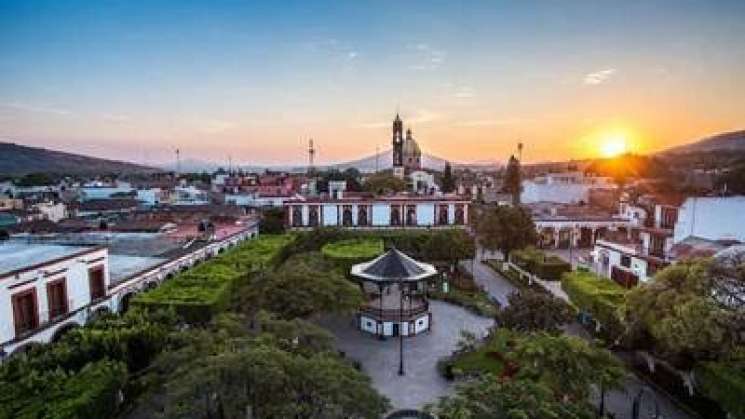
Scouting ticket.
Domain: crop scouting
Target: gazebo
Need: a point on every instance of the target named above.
(395, 287)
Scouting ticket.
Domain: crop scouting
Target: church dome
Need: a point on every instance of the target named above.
(411, 148)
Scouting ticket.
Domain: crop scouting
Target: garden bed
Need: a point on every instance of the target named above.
(205, 290)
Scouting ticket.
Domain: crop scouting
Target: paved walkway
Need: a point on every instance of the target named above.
(422, 383)
(493, 283)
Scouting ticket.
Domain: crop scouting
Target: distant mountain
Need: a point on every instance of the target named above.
(16, 159)
(385, 161)
(728, 141)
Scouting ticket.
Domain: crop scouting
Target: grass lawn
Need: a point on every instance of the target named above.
(353, 249)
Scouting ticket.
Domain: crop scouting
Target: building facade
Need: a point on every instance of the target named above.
(383, 212)
(407, 156)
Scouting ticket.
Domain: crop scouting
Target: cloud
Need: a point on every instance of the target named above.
(599, 77)
(332, 48)
(426, 57)
(36, 109)
(464, 92)
(352, 55)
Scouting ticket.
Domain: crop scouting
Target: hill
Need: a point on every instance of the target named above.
(16, 159)
(728, 141)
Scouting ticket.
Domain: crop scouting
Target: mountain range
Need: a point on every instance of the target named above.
(727, 141)
(16, 160)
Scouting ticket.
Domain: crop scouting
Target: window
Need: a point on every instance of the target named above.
(25, 311)
(626, 261)
(57, 298)
(97, 283)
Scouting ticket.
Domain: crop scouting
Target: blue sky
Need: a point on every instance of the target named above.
(254, 80)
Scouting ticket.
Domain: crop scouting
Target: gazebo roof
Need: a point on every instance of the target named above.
(393, 266)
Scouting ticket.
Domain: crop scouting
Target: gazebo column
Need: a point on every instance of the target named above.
(381, 336)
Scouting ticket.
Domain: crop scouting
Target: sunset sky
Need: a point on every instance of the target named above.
(136, 79)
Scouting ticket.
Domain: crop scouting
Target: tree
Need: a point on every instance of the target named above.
(504, 228)
(572, 366)
(383, 183)
(263, 381)
(305, 285)
(491, 398)
(272, 221)
(530, 311)
(448, 181)
(688, 310)
(512, 180)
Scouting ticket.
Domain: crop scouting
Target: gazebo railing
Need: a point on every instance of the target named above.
(393, 314)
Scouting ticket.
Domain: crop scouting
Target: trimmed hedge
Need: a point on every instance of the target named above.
(597, 296)
(445, 245)
(537, 262)
(199, 293)
(723, 382)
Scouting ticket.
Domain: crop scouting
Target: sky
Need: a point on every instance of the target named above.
(251, 82)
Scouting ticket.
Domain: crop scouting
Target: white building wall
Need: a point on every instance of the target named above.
(712, 218)
(425, 214)
(381, 214)
(330, 215)
(75, 272)
(553, 192)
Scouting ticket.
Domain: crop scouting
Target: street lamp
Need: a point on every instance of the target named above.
(401, 327)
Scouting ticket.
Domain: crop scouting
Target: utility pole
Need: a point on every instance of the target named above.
(311, 156)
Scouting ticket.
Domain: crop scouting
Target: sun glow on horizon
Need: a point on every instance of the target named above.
(613, 145)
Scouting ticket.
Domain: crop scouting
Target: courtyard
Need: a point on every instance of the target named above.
(422, 383)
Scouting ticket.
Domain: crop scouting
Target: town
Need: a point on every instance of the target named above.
(76, 249)
(322, 209)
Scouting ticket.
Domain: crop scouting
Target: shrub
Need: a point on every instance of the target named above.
(199, 293)
(723, 382)
(599, 297)
(537, 262)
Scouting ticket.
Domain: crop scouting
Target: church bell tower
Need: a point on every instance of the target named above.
(398, 147)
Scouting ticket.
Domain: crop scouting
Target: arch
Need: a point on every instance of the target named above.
(150, 285)
(460, 214)
(395, 216)
(346, 218)
(313, 216)
(362, 215)
(442, 216)
(25, 348)
(546, 238)
(411, 215)
(297, 216)
(99, 312)
(124, 302)
(63, 330)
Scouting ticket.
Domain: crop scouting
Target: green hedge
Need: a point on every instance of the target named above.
(91, 393)
(537, 262)
(345, 253)
(446, 245)
(600, 297)
(199, 293)
(723, 382)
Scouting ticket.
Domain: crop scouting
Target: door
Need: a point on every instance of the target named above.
(395, 329)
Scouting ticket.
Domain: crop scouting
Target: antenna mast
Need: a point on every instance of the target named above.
(178, 161)
(311, 155)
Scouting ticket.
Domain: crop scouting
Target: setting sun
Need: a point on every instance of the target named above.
(613, 146)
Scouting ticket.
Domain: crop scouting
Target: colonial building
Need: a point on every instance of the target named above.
(397, 211)
(407, 156)
(564, 226)
(565, 188)
(676, 230)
